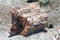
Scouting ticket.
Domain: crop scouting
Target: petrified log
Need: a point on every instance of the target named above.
(24, 20)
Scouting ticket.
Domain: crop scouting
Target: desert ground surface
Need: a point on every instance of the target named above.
(53, 10)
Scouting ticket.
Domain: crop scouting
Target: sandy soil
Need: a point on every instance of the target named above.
(53, 9)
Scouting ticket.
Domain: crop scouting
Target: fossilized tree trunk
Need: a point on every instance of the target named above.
(30, 17)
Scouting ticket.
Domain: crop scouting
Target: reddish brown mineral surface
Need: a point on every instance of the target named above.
(28, 18)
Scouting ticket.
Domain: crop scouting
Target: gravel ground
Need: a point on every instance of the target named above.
(53, 9)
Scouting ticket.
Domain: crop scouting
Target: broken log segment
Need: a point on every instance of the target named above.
(34, 20)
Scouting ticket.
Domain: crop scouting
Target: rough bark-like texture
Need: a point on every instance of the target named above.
(29, 17)
(53, 10)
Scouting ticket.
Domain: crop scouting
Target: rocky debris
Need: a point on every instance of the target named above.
(53, 11)
(34, 20)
